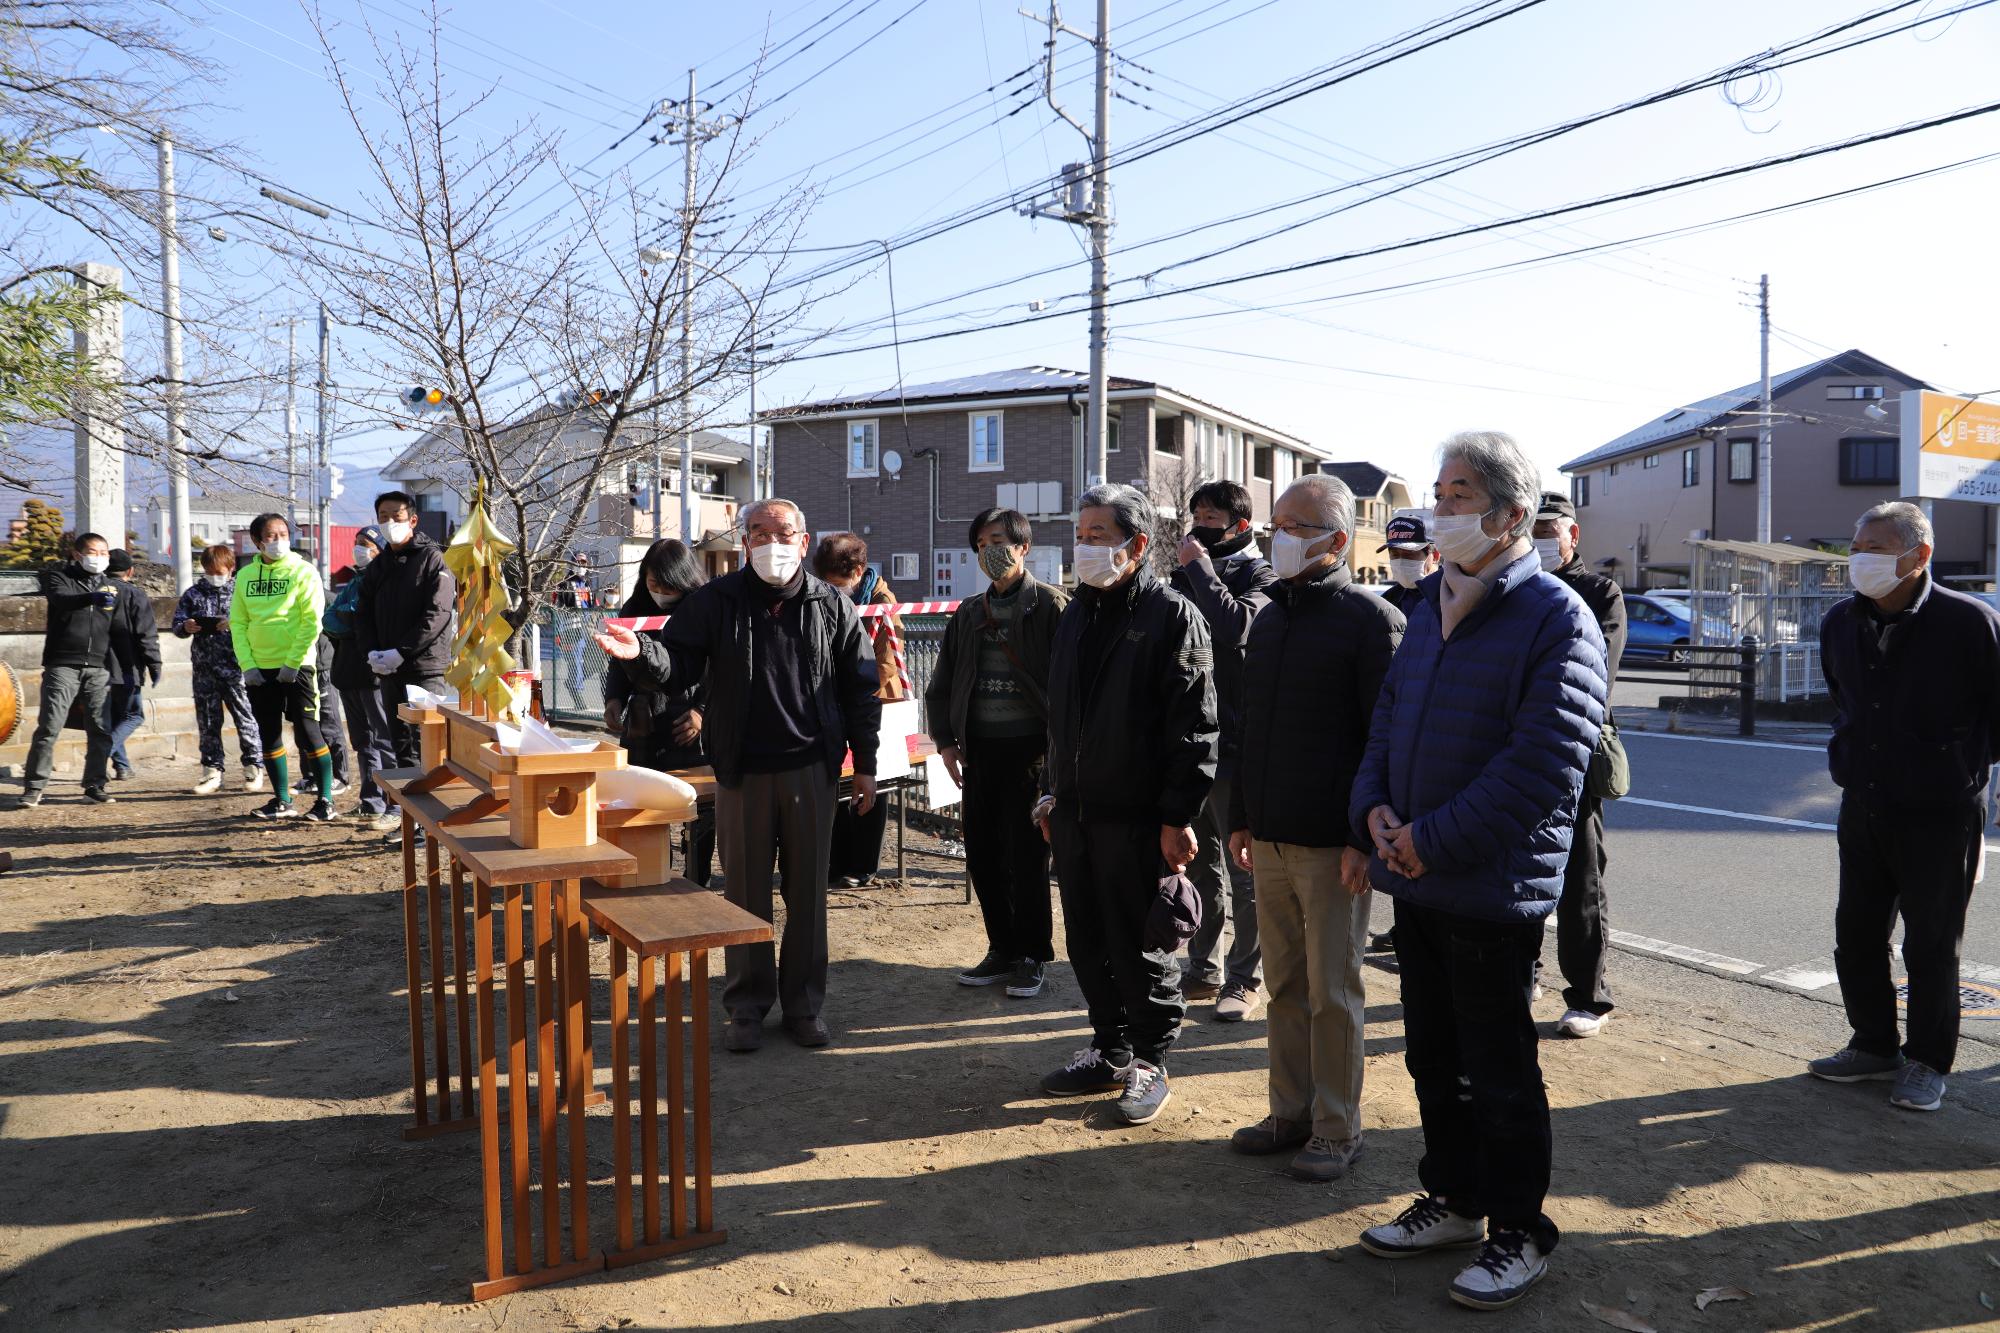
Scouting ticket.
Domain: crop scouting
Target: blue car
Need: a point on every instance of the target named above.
(1662, 627)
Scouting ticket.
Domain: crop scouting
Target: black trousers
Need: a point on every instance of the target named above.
(1005, 855)
(1110, 874)
(1920, 864)
(1583, 918)
(1470, 1049)
(274, 702)
(784, 819)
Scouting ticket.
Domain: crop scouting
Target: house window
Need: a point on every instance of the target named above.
(862, 453)
(1260, 466)
(1870, 462)
(1652, 461)
(1690, 467)
(1167, 435)
(1743, 460)
(1579, 491)
(1111, 433)
(1853, 392)
(1609, 473)
(903, 566)
(988, 448)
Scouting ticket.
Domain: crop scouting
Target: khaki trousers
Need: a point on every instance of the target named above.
(1311, 930)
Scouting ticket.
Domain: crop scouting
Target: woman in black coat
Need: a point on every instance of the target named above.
(662, 728)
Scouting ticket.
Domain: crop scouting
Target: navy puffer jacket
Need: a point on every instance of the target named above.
(1481, 744)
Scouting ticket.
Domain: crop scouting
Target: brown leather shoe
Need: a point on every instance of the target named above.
(808, 1032)
(1200, 990)
(1270, 1135)
(743, 1035)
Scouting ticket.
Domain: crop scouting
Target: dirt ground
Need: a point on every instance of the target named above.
(203, 1054)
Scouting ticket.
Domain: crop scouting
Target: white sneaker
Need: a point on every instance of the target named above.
(1581, 1023)
(389, 821)
(253, 778)
(1508, 1265)
(1535, 994)
(339, 787)
(211, 782)
(1146, 1093)
(1424, 1226)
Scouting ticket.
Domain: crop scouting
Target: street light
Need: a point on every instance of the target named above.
(654, 255)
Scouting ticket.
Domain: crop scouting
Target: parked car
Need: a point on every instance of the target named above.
(1663, 627)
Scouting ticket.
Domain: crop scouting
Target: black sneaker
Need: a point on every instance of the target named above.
(987, 970)
(1087, 1072)
(322, 812)
(1026, 981)
(30, 799)
(276, 808)
(1384, 942)
(99, 796)
(121, 774)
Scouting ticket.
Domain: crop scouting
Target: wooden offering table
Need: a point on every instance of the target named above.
(648, 922)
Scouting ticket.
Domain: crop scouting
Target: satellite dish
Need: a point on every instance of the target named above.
(892, 463)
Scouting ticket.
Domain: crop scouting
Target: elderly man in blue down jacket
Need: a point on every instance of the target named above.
(1468, 793)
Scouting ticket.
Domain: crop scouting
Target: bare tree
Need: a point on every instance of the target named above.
(545, 337)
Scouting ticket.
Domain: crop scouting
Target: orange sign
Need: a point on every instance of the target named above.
(1952, 446)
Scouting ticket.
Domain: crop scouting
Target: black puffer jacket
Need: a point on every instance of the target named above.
(1132, 732)
(79, 630)
(1229, 592)
(135, 634)
(1314, 667)
(652, 710)
(406, 601)
(1918, 724)
(1606, 600)
(707, 644)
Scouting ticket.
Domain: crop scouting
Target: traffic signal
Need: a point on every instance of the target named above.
(422, 399)
(332, 488)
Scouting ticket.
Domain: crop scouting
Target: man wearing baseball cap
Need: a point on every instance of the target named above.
(1412, 558)
(1582, 924)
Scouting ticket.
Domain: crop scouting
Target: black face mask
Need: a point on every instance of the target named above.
(1209, 537)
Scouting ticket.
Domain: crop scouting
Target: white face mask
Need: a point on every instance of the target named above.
(362, 555)
(1101, 566)
(1405, 571)
(275, 549)
(216, 580)
(1549, 549)
(1290, 553)
(776, 562)
(1461, 538)
(94, 564)
(1874, 576)
(398, 532)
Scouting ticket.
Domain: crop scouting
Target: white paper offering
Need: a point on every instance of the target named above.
(644, 789)
(900, 721)
(940, 790)
(419, 697)
(536, 738)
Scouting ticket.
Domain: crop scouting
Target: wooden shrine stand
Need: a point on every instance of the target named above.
(529, 826)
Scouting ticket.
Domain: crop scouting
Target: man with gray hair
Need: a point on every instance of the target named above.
(1913, 669)
(1468, 793)
(791, 688)
(1132, 743)
(1311, 673)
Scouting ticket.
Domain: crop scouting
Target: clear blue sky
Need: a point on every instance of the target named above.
(1565, 355)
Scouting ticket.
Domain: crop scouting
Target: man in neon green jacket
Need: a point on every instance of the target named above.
(274, 624)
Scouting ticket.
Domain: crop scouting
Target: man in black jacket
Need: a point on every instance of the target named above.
(1914, 672)
(1132, 741)
(1583, 920)
(133, 661)
(1412, 558)
(988, 706)
(1311, 674)
(81, 602)
(402, 623)
(791, 688)
(1228, 580)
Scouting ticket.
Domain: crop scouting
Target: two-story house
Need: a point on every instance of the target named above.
(1378, 495)
(1691, 473)
(619, 519)
(909, 470)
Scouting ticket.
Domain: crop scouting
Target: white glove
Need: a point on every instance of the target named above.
(385, 661)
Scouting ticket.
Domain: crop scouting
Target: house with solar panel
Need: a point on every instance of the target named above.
(908, 469)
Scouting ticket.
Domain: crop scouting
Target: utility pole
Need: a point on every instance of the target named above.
(321, 500)
(1764, 410)
(693, 131)
(170, 311)
(292, 424)
(1093, 211)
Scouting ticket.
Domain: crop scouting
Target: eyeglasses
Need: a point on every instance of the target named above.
(756, 538)
(1296, 528)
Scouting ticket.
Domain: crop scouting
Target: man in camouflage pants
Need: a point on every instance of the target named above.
(203, 616)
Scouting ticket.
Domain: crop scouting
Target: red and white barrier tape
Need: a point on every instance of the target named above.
(872, 611)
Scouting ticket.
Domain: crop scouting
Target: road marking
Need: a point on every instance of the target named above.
(1816, 974)
(1979, 972)
(1721, 740)
(1685, 954)
(1729, 814)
